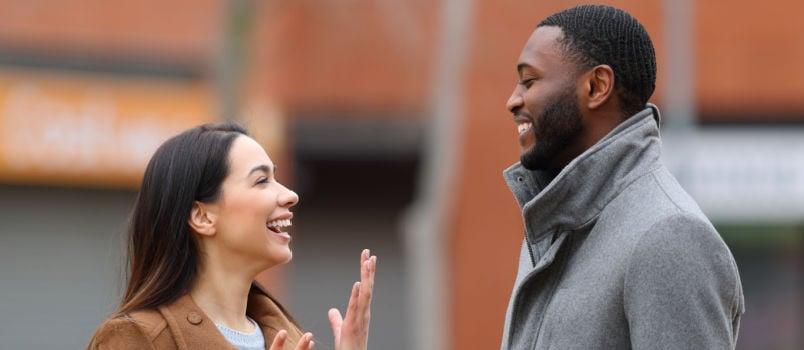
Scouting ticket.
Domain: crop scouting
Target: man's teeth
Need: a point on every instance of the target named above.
(523, 127)
(280, 223)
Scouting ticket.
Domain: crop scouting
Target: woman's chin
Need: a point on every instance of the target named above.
(288, 258)
(281, 257)
(275, 256)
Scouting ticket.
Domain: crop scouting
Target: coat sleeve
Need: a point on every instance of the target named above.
(681, 288)
(119, 333)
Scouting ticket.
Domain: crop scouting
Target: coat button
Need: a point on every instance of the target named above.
(194, 318)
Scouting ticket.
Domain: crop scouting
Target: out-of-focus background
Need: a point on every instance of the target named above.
(388, 118)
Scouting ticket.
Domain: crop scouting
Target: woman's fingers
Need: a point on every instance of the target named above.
(367, 280)
(279, 340)
(366, 289)
(351, 308)
(351, 331)
(336, 321)
(306, 342)
(366, 274)
(364, 255)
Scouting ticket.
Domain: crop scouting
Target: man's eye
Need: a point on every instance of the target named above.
(527, 82)
(262, 180)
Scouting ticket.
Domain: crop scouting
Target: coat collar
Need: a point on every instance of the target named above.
(577, 195)
(192, 329)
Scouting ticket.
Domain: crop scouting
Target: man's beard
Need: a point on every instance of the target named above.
(559, 125)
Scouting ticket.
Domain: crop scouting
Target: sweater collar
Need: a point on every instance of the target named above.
(577, 195)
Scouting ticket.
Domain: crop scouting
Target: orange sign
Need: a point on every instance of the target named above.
(86, 129)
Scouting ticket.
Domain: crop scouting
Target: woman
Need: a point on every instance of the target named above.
(209, 217)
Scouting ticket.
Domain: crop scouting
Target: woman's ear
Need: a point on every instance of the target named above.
(202, 219)
(600, 86)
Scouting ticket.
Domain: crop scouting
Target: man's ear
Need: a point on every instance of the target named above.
(599, 86)
(202, 219)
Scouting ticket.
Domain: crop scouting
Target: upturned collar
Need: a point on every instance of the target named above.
(576, 196)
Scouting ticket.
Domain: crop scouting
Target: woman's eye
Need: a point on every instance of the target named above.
(262, 180)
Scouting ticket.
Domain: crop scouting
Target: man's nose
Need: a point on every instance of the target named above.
(515, 101)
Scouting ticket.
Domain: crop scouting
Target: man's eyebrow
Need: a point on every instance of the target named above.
(521, 66)
(264, 168)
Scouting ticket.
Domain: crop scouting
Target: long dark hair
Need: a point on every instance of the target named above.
(163, 254)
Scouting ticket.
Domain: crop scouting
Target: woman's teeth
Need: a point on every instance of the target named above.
(524, 127)
(279, 223)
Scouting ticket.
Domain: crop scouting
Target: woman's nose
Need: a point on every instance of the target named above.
(288, 198)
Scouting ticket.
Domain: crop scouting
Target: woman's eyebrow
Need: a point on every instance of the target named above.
(268, 169)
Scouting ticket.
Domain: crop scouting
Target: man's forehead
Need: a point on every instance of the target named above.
(542, 45)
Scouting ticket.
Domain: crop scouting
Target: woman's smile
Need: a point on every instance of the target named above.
(277, 227)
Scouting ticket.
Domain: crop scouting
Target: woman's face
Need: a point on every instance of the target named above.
(253, 211)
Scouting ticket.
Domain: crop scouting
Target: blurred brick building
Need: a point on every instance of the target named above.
(345, 93)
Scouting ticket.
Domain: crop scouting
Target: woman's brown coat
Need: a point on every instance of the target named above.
(182, 325)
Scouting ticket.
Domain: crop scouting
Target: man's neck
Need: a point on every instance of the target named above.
(600, 124)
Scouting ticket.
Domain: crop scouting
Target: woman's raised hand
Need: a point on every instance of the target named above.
(351, 332)
(305, 343)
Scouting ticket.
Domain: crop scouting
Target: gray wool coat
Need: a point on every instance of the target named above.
(617, 255)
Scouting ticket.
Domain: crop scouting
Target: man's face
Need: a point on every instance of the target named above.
(544, 103)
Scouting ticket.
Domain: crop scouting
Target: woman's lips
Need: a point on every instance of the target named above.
(283, 236)
(275, 228)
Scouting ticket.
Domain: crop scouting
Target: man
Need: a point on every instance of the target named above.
(616, 255)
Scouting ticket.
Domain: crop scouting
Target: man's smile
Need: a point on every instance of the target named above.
(523, 127)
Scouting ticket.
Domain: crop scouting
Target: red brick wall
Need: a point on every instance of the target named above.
(749, 59)
(178, 29)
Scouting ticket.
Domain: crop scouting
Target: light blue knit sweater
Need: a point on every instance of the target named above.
(244, 341)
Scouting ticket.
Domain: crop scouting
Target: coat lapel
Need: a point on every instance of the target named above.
(262, 308)
(192, 329)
